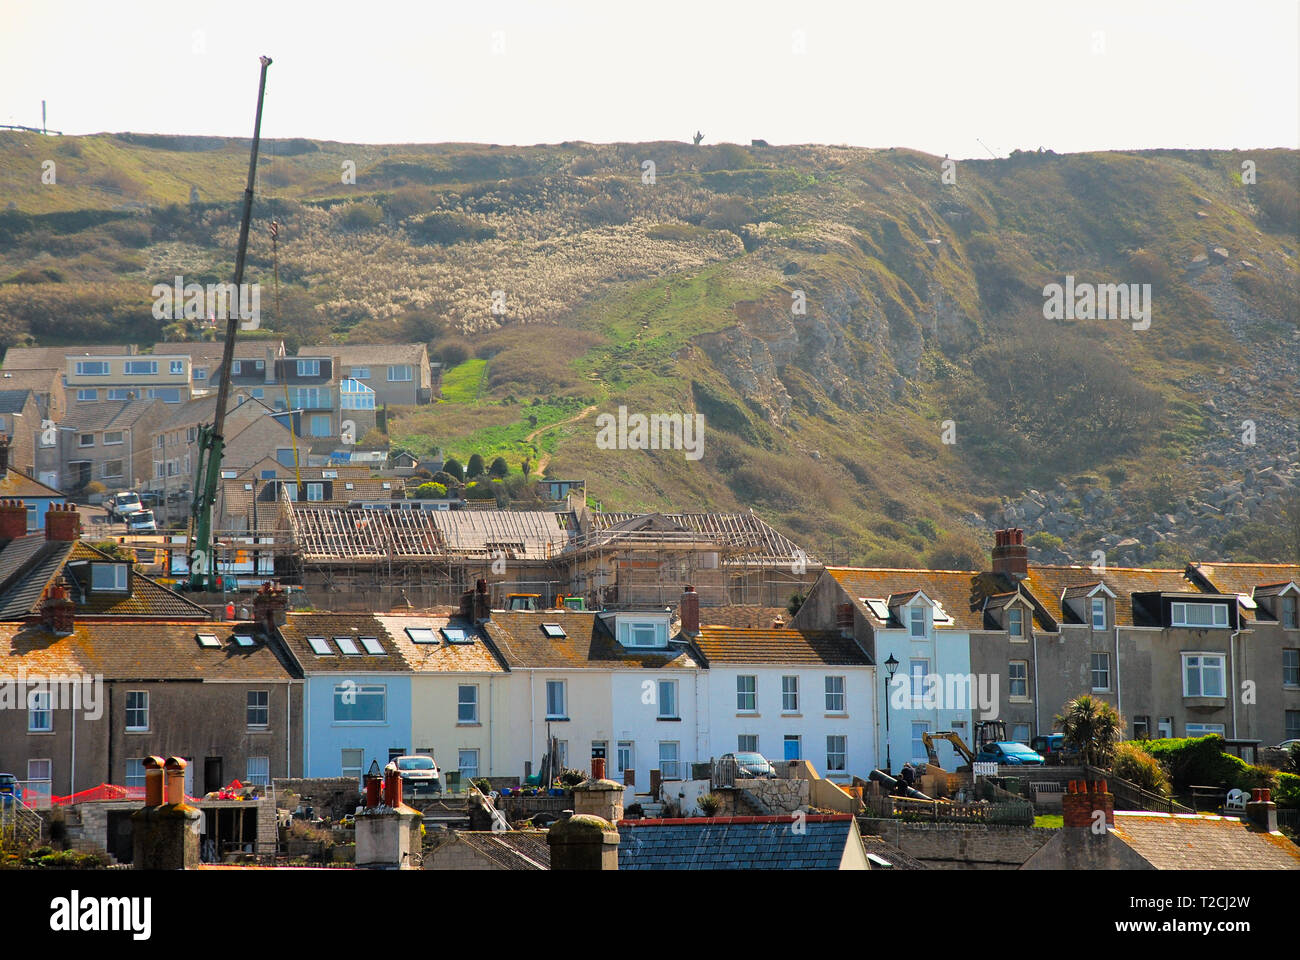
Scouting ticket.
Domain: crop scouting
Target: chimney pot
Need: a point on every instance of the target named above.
(598, 768)
(1010, 555)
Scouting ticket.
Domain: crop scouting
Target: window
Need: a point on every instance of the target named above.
(1291, 668)
(1198, 614)
(746, 695)
(1101, 671)
(668, 699)
(108, 576)
(308, 368)
(792, 747)
(351, 763)
(421, 635)
(916, 617)
(1165, 728)
(789, 694)
(360, 373)
(315, 492)
(175, 367)
(360, 702)
(192, 434)
(456, 635)
(1203, 675)
(208, 640)
(1020, 732)
(643, 634)
(836, 754)
(137, 710)
(1290, 612)
(33, 521)
(747, 743)
(1292, 725)
(1142, 728)
(119, 393)
(355, 395)
(166, 395)
(259, 771)
(162, 440)
(199, 373)
(554, 631)
(467, 703)
(399, 373)
(1015, 622)
(92, 368)
(320, 646)
(372, 646)
(467, 762)
(1099, 613)
(259, 708)
(112, 437)
(918, 669)
(112, 468)
(625, 757)
(85, 439)
(668, 763)
(135, 772)
(40, 719)
(244, 640)
(834, 694)
(140, 368)
(348, 646)
(555, 700)
(1204, 729)
(87, 396)
(1018, 679)
(918, 745)
(320, 425)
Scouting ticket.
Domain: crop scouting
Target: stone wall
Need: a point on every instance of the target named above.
(961, 846)
(781, 796)
(331, 797)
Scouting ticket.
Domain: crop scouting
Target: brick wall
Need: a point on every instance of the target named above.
(961, 846)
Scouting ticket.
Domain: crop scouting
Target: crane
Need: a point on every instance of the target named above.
(211, 443)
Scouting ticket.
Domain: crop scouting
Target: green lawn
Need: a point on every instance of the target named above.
(1049, 820)
(460, 384)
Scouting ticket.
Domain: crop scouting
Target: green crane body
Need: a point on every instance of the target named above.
(211, 443)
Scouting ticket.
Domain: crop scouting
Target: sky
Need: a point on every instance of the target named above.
(965, 79)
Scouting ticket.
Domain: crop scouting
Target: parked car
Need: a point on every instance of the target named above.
(150, 500)
(750, 764)
(1009, 752)
(1054, 749)
(142, 521)
(420, 775)
(10, 789)
(123, 504)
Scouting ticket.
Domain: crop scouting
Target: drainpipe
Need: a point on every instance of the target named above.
(1232, 672)
(288, 728)
(306, 728)
(1033, 636)
(72, 773)
(1119, 690)
(491, 709)
(532, 713)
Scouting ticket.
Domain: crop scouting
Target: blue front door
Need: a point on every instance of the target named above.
(792, 748)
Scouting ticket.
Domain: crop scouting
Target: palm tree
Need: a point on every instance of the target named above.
(1093, 727)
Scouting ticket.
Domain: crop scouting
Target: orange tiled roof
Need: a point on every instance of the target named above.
(1197, 842)
(739, 645)
(955, 590)
(442, 657)
(1047, 583)
(587, 643)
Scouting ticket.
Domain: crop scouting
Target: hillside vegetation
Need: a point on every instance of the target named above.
(835, 314)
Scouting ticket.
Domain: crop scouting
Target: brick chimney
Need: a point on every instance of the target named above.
(62, 522)
(5, 445)
(269, 606)
(13, 519)
(1010, 555)
(690, 611)
(1261, 811)
(583, 842)
(58, 613)
(1083, 799)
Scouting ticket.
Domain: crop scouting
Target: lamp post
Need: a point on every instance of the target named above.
(891, 665)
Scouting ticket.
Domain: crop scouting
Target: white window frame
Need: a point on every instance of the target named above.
(913, 620)
(1178, 615)
(1104, 670)
(917, 678)
(357, 691)
(1202, 670)
(790, 693)
(130, 368)
(135, 773)
(1016, 623)
(40, 718)
(557, 696)
(346, 769)
(1288, 612)
(1290, 667)
(137, 711)
(747, 743)
(468, 771)
(670, 766)
(1098, 613)
(834, 696)
(360, 373)
(462, 691)
(1013, 680)
(402, 368)
(258, 771)
(91, 368)
(837, 754)
(746, 692)
(668, 704)
(624, 756)
(258, 704)
(308, 368)
(120, 434)
(1204, 729)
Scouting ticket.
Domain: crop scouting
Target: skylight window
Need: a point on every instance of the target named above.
(207, 639)
(553, 630)
(348, 646)
(372, 646)
(879, 608)
(244, 639)
(456, 635)
(320, 646)
(421, 635)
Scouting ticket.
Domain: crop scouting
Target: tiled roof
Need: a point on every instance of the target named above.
(53, 358)
(1243, 578)
(735, 843)
(741, 615)
(299, 626)
(954, 590)
(27, 565)
(519, 638)
(480, 656)
(510, 850)
(755, 541)
(898, 860)
(367, 354)
(1197, 842)
(1047, 583)
(13, 401)
(115, 414)
(140, 651)
(15, 483)
(739, 645)
(37, 379)
(210, 351)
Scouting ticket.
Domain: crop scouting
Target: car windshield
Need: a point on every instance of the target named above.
(415, 763)
(751, 758)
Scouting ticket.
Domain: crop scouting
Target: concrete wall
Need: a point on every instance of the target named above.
(962, 846)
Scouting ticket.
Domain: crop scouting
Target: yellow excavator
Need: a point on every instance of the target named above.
(957, 742)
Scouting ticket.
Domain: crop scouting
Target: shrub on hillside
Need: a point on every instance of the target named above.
(1131, 762)
(956, 550)
(445, 227)
(430, 491)
(359, 216)
(1043, 540)
(1201, 760)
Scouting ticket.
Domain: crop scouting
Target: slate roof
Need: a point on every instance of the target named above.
(741, 615)
(739, 645)
(299, 626)
(13, 400)
(27, 565)
(368, 354)
(480, 656)
(53, 358)
(15, 483)
(509, 850)
(37, 379)
(735, 843)
(116, 414)
(588, 643)
(1199, 842)
(141, 651)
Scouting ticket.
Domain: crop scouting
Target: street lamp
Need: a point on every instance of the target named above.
(891, 665)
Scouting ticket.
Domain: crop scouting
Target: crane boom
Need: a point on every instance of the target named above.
(211, 443)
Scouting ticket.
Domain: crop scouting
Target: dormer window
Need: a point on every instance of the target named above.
(1289, 612)
(642, 633)
(109, 577)
(917, 622)
(1099, 613)
(1198, 614)
(1015, 622)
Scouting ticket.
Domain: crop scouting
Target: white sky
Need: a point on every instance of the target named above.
(929, 74)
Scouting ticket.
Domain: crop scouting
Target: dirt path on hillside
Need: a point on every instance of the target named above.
(540, 466)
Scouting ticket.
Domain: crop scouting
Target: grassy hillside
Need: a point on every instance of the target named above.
(829, 311)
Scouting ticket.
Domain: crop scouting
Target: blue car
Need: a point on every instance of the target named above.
(10, 789)
(1009, 753)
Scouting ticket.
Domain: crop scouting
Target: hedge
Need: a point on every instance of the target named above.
(1201, 761)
